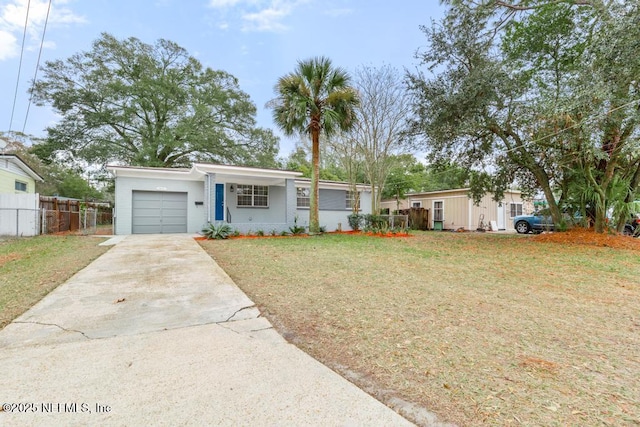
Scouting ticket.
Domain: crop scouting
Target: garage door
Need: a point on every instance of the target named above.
(156, 212)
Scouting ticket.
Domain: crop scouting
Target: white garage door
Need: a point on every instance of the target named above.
(156, 212)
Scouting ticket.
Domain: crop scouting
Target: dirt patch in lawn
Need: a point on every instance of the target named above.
(5, 258)
(481, 329)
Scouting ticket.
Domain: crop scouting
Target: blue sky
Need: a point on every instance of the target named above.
(255, 40)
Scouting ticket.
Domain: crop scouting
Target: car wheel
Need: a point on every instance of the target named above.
(628, 231)
(522, 227)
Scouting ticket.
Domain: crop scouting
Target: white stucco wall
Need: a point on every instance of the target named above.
(332, 218)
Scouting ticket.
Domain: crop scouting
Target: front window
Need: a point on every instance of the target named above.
(515, 209)
(252, 195)
(303, 195)
(438, 211)
(21, 186)
(351, 202)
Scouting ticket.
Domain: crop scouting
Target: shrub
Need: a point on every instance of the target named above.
(355, 221)
(260, 233)
(296, 229)
(217, 231)
(376, 224)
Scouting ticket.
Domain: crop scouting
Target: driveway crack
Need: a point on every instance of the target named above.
(57, 326)
(238, 311)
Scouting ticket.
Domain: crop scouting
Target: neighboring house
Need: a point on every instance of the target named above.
(453, 209)
(16, 177)
(161, 200)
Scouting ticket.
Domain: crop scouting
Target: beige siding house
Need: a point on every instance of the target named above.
(453, 209)
(16, 177)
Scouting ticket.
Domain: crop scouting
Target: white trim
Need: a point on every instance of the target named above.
(415, 202)
(332, 185)
(244, 171)
(453, 190)
(521, 209)
(199, 170)
(22, 165)
(253, 196)
(19, 191)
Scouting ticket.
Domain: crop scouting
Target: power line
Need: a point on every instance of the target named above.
(24, 37)
(35, 74)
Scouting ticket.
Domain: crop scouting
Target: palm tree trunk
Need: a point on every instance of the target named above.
(314, 220)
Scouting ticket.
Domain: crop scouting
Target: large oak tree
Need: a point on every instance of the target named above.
(545, 93)
(130, 102)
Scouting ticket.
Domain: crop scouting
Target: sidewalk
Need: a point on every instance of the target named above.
(154, 332)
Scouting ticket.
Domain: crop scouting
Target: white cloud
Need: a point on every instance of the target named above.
(220, 4)
(8, 46)
(12, 21)
(257, 15)
(266, 20)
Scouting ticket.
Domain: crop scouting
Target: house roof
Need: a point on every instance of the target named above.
(197, 172)
(14, 158)
(228, 173)
(453, 190)
(337, 185)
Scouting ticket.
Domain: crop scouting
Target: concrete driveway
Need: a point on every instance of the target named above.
(154, 332)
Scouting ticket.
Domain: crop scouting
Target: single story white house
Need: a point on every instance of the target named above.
(162, 200)
(453, 209)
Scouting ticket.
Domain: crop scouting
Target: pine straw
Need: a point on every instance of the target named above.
(588, 237)
(481, 329)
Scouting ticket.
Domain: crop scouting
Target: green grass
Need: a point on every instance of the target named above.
(479, 328)
(31, 267)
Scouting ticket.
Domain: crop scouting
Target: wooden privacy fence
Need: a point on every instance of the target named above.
(418, 218)
(32, 214)
(59, 215)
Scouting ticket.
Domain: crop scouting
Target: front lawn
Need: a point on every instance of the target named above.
(480, 329)
(31, 267)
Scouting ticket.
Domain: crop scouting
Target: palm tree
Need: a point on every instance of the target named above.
(315, 98)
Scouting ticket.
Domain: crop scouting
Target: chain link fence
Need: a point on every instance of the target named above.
(30, 215)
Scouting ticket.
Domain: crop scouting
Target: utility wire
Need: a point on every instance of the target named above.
(24, 37)
(35, 74)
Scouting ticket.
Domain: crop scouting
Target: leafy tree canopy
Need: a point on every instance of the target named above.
(541, 92)
(408, 175)
(129, 102)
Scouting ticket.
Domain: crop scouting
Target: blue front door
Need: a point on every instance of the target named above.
(219, 202)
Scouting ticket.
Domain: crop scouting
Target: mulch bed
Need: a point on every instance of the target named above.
(588, 237)
(355, 233)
